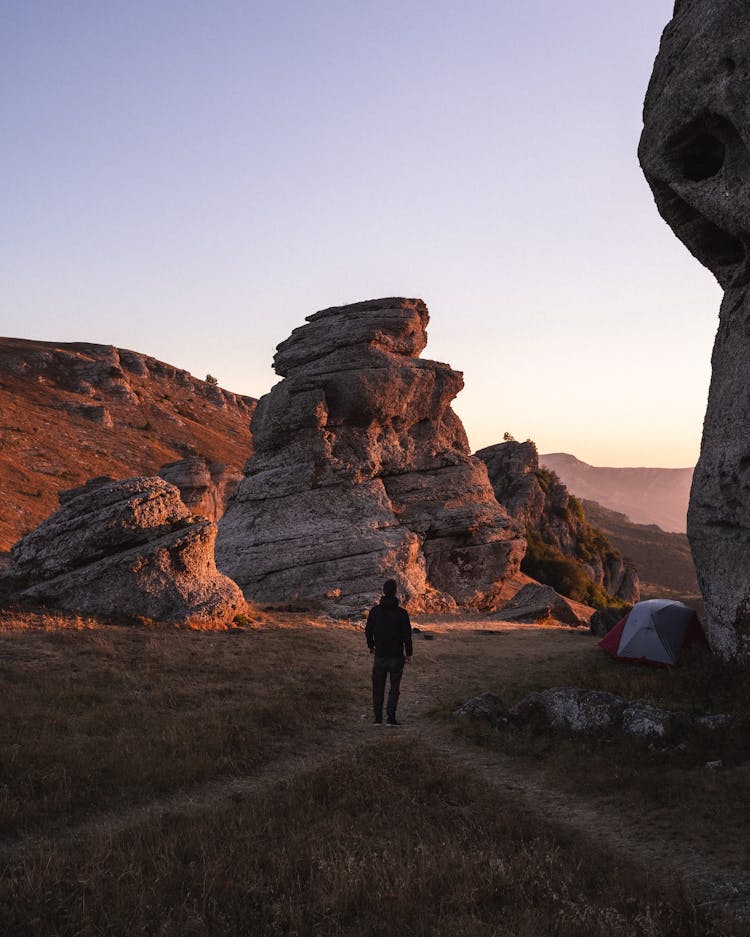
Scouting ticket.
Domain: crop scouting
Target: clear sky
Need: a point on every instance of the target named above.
(191, 179)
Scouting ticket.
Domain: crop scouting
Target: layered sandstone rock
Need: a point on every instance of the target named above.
(362, 471)
(125, 549)
(205, 487)
(695, 153)
(555, 521)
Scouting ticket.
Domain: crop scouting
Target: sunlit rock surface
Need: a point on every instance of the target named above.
(125, 549)
(362, 471)
(695, 154)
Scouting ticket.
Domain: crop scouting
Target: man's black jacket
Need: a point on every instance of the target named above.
(388, 629)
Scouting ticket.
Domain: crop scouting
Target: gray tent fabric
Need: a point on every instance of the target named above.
(655, 630)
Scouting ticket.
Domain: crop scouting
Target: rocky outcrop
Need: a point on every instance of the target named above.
(88, 370)
(513, 468)
(75, 411)
(557, 530)
(125, 549)
(589, 712)
(362, 471)
(205, 487)
(695, 153)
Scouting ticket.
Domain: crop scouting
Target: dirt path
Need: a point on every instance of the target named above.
(653, 850)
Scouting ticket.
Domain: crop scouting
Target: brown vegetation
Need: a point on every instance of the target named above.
(347, 828)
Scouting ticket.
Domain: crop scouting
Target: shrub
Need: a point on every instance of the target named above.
(210, 379)
(549, 565)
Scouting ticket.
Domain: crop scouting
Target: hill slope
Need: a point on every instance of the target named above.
(69, 412)
(647, 495)
(663, 559)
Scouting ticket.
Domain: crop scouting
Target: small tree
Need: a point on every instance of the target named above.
(210, 379)
(509, 437)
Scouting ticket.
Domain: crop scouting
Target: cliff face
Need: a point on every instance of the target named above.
(563, 548)
(70, 412)
(362, 471)
(695, 153)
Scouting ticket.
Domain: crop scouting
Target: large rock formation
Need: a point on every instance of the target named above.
(695, 152)
(559, 536)
(362, 470)
(125, 549)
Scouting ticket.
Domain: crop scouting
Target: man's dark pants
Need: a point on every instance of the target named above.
(381, 667)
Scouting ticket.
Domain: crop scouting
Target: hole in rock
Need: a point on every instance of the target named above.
(701, 158)
(728, 66)
(699, 150)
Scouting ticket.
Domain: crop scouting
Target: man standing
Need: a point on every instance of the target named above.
(388, 633)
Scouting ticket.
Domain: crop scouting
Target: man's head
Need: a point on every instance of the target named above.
(389, 587)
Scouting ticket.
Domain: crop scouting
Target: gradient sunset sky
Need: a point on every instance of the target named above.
(192, 179)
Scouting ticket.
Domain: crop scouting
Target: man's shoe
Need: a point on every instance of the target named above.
(377, 722)
(392, 722)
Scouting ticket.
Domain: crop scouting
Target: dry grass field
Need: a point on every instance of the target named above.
(164, 782)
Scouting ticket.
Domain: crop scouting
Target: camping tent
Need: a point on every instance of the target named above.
(656, 631)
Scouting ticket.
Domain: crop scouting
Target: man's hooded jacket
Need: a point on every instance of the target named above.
(388, 629)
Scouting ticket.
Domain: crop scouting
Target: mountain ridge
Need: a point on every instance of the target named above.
(646, 495)
(71, 411)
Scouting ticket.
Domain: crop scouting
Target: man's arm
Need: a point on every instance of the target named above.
(406, 625)
(370, 628)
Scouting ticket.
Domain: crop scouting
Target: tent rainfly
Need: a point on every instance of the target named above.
(656, 631)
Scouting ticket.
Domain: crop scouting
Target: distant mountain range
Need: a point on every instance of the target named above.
(646, 495)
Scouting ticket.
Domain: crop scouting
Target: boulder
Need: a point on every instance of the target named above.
(589, 712)
(604, 620)
(205, 487)
(125, 549)
(486, 706)
(644, 721)
(362, 471)
(695, 153)
(536, 603)
(565, 708)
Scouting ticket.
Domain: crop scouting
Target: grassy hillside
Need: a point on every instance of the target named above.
(664, 561)
(70, 412)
